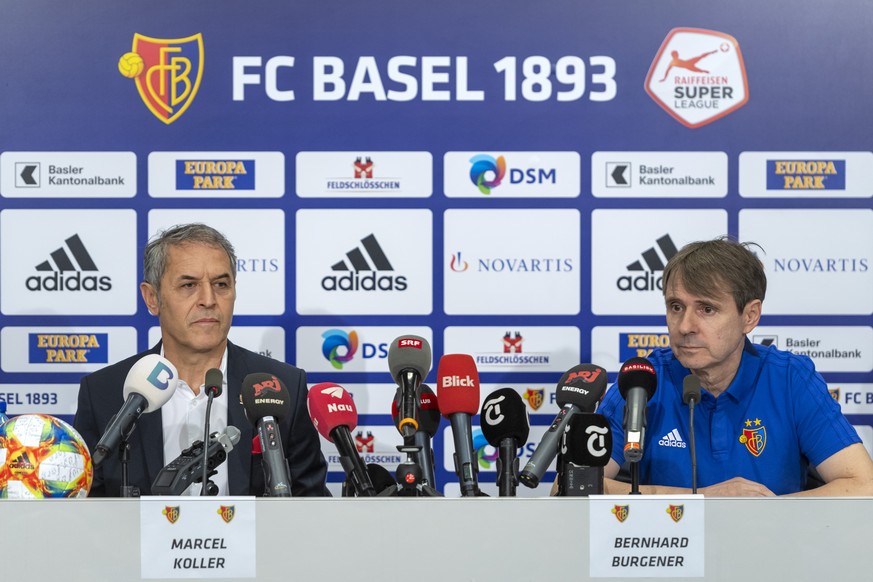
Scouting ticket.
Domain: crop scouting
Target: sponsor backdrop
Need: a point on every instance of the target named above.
(504, 178)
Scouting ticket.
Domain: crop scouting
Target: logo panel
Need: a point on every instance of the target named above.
(376, 262)
(698, 76)
(806, 175)
(659, 174)
(350, 349)
(512, 174)
(364, 174)
(524, 349)
(68, 174)
(832, 348)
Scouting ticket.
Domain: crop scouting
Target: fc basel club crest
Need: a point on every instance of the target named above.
(754, 437)
(167, 72)
(227, 512)
(534, 397)
(171, 513)
(621, 512)
(676, 512)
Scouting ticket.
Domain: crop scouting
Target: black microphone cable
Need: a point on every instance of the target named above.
(691, 396)
(213, 386)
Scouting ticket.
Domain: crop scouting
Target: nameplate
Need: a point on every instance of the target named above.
(646, 536)
(197, 537)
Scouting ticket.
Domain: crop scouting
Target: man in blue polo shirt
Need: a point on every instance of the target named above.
(764, 416)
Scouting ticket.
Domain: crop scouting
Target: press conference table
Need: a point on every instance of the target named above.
(444, 540)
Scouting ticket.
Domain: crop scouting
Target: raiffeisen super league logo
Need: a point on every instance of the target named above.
(698, 76)
(167, 72)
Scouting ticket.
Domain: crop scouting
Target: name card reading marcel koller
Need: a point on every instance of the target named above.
(197, 537)
(651, 536)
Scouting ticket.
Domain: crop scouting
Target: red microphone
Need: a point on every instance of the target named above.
(458, 399)
(334, 415)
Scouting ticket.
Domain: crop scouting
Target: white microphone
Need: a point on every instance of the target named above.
(149, 385)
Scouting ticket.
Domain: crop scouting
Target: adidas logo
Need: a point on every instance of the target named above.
(369, 259)
(672, 439)
(647, 281)
(73, 258)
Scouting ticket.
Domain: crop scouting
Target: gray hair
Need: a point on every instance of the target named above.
(703, 265)
(154, 263)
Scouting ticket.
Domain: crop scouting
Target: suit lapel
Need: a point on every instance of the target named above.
(240, 458)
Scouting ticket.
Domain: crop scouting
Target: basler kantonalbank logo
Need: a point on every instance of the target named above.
(698, 76)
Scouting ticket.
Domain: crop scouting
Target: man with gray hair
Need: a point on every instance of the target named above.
(764, 414)
(189, 274)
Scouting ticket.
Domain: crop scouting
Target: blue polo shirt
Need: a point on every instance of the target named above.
(774, 419)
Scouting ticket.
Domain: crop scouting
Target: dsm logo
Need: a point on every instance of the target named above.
(167, 72)
(68, 348)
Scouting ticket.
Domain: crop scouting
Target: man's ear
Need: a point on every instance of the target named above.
(150, 297)
(751, 315)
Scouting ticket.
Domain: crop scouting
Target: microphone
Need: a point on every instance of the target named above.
(213, 386)
(409, 360)
(458, 392)
(188, 467)
(334, 415)
(383, 482)
(636, 383)
(506, 426)
(585, 451)
(429, 423)
(579, 390)
(149, 384)
(691, 396)
(266, 402)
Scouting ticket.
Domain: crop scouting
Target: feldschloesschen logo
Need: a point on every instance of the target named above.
(487, 172)
(63, 270)
(68, 348)
(364, 168)
(646, 279)
(698, 76)
(365, 444)
(167, 72)
(754, 436)
(363, 274)
(339, 347)
(512, 342)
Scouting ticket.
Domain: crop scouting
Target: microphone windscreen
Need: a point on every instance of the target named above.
(588, 440)
(409, 352)
(381, 478)
(504, 415)
(264, 395)
(214, 381)
(457, 385)
(583, 385)
(428, 410)
(154, 378)
(637, 373)
(330, 405)
(691, 389)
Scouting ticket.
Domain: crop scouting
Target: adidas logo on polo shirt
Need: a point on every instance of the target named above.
(672, 439)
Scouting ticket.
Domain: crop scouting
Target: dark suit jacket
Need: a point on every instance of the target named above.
(100, 397)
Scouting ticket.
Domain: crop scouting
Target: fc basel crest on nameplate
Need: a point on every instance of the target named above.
(172, 512)
(754, 436)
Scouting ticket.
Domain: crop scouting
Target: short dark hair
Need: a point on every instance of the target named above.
(154, 263)
(703, 265)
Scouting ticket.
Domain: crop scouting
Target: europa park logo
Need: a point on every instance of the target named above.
(167, 72)
(698, 76)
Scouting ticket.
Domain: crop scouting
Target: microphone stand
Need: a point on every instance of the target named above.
(409, 476)
(693, 447)
(124, 456)
(635, 478)
(208, 487)
(507, 468)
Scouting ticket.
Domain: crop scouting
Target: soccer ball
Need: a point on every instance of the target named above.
(130, 65)
(42, 456)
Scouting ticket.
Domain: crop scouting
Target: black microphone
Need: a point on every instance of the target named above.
(213, 387)
(149, 384)
(580, 389)
(428, 424)
(266, 402)
(188, 467)
(691, 396)
(506, 426)
(585, 451)
(636, 383)
(383, 481)
(409, 360)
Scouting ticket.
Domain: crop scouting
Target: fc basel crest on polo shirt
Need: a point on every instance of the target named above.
(754, 437)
